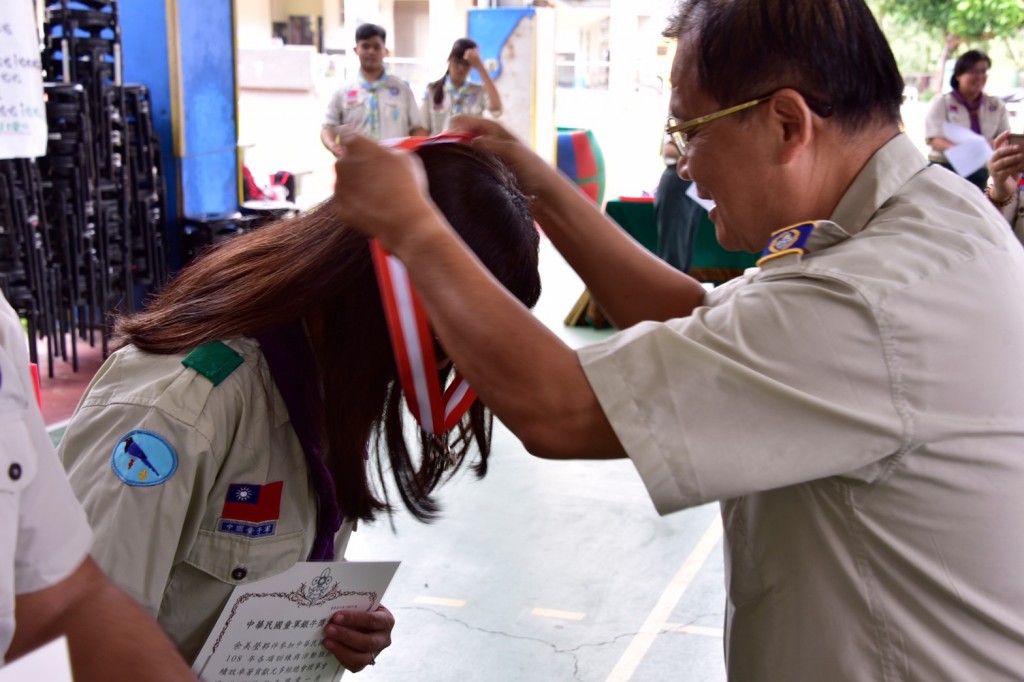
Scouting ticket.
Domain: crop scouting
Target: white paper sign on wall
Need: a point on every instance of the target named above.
(22, 112)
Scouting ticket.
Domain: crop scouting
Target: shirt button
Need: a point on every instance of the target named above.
(14, 471)
(239, 573)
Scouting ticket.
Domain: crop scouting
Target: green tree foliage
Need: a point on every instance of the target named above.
(960, 20)
(954, 23)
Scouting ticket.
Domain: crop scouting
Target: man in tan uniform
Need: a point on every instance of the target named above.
(855, 404)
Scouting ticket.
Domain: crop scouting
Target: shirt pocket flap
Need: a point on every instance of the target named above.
(236, 560)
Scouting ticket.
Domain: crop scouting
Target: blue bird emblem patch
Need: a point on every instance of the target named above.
(143, 458)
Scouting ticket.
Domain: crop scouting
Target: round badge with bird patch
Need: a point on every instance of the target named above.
(143, 458)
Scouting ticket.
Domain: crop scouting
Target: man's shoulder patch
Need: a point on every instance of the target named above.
(215, 361)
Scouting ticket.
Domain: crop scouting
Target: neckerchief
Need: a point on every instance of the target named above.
(457, 94)
(972, 109)
(372, 103)
(293, 369)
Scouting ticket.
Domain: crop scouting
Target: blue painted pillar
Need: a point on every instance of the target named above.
(184, 52)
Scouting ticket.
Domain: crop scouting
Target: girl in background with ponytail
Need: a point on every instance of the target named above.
(454, 94)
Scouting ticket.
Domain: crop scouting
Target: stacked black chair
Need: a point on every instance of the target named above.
(103, 186)
(148, 192)
(28, 278)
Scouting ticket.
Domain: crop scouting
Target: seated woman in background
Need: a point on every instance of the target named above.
(967, 106)
(266, 363)
(1004, 188)
(454, 94)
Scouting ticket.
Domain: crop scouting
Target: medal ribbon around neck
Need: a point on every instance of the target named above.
(411, 339)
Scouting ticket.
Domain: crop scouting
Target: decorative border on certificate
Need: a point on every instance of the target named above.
(317, 594)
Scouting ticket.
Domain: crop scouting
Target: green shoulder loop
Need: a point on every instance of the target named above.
(215, 361)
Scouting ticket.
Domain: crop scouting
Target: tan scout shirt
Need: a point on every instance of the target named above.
(166, 544)
(472, 100)
(859, 410)
(399, 111)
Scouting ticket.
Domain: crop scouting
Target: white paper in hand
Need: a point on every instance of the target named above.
(50, 662)
(271, 630)
(972, 151)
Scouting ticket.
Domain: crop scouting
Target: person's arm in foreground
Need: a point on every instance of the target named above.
(110, 636)
(493, 98)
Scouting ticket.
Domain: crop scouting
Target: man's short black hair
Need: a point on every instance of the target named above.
(831, 51)
(367, 31)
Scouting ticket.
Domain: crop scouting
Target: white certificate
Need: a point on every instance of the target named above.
(271, 630)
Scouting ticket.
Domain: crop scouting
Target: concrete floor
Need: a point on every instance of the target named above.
(557, 571)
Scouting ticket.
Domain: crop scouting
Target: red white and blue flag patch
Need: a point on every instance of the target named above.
(251, 510)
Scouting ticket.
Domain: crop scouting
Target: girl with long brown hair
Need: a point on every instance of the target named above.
(230, 434)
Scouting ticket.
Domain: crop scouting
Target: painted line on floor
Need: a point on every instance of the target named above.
(440, 601)
(701, 630)
(59, 425)
(657, 619)
(555, 613)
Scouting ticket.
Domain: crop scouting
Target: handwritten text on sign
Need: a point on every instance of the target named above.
(22, 112)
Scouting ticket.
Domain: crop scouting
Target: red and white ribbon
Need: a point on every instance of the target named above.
(413, 345)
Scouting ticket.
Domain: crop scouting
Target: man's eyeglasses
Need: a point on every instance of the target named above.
(677, 130)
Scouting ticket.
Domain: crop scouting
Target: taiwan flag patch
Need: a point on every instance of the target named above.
(251, 510)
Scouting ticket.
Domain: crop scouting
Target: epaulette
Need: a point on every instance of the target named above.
(787, 241)
(215, 361)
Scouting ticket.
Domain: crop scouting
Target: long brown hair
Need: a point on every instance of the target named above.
(459, 49)
(313, 265)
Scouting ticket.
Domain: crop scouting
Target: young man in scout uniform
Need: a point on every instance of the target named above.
(378, 104)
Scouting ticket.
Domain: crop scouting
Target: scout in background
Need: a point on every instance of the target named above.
(455, 94)
(379, 104)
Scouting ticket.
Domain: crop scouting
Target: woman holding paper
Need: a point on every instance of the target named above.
(967, 106)
(228, 438)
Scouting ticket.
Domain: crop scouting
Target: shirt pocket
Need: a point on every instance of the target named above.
(236, 560)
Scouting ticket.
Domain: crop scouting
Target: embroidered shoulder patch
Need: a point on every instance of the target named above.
(143, 458)
(788, 240)
(251, 510)
(215, 361)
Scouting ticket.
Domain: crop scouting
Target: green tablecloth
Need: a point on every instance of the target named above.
(710, 263)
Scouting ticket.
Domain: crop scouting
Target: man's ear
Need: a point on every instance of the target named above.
(795, 121)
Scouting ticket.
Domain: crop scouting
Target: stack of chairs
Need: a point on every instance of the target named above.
(82, 50)
(82, 228)
(148, 191)
(28, 278)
